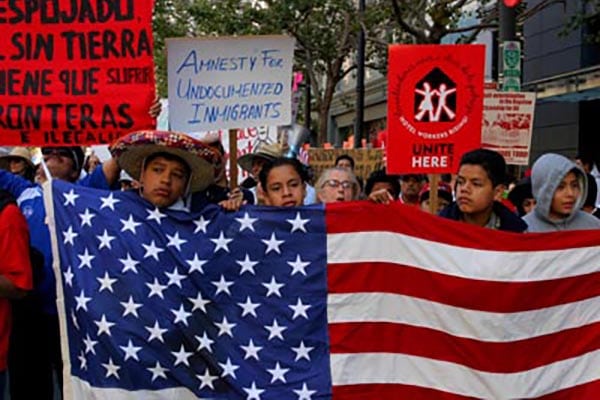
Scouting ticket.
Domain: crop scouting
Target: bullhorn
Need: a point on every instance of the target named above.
(295, 135)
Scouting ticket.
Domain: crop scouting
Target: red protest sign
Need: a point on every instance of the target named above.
(435, 100)
(78, 72)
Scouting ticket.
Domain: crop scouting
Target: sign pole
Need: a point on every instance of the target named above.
(233, 171)
(434, 180)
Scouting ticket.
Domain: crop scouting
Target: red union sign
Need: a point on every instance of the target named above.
(435, 101)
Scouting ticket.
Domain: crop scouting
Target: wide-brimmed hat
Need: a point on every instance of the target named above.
(131, 150)
(265, 151)
(18, 153)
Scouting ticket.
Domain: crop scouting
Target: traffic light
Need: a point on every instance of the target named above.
(511, 3)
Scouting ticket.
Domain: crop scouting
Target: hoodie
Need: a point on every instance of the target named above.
(546, 175)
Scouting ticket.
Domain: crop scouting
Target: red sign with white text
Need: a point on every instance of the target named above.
(435, 103)
(75, 72)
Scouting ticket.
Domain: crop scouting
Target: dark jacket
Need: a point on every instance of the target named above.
(509, 221)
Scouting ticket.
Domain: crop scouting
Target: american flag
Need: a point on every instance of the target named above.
(356, 301)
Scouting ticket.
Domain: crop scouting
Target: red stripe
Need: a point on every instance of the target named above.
(370, 217)
(460, 292)
(391, 392)
(587, 391)
(506, 357)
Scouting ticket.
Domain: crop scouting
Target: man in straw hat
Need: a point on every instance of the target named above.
(18, 161)
(169, 166)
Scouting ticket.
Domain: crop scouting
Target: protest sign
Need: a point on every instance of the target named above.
(435, 100)
(229, 83)
(75, 73)
(365, 160)
(508, 124)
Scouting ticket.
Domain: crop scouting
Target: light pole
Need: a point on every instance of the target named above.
(360, 78)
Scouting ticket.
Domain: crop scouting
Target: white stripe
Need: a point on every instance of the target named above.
(83, 390)
(470, 263)
(472, 324)
(385, 368)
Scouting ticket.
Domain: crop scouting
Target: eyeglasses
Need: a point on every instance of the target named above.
(334, 183)
(49, 151)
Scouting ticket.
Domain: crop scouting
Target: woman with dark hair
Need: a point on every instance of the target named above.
(283, 182)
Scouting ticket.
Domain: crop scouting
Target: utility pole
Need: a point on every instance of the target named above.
(360, 79)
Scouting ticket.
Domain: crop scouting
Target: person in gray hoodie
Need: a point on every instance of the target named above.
(559, 186)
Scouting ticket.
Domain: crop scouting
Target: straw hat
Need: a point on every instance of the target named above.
(131, 151)
(19, 153)
(268, 152)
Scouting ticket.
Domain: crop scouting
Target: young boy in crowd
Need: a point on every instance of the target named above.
(559, 186)
(479, 182)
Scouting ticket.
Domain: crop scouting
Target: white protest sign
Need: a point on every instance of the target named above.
(225, 83)
(508, 124)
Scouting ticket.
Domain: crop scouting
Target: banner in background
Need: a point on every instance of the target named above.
(435, 101)
(75, 73)
(508, 124)
(229, 83)
(365, 160)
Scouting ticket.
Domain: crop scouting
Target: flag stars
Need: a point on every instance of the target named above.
(70, 198)
(109, 202)
(207, 379)
(222, 285)
(130, 225)
(152, 250)
(111, 369)
(158, 371)
(175, 278)
(69, 235)
(131, 351)
(199, 303)
(273, 244)
(82, 361)
(86, 218)
(273, 287)
(85, 259)
(106, 282)
(204, 342)
(251, 350)
(182, 356)
(68, 274)
(278, 373)
(130, 307)
(246, 222)
(247, 265)
(176, 241)
(129, 264)
(228, 368)
(201, 224)
(298, 266)
(225, 327)
(105, 240)
(156, 332)
(82, 301)
(253, 392)
(89, 344)
(155, 215)
(275, 330)
(298, 223)
(299, 309)
(181, 315)
(156, 289)
(196, 264)
(104, 326)
(249, 308)
(302, 351)
(221, 243)
(304, 393)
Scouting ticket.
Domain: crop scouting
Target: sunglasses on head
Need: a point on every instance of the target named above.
(57, 152)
